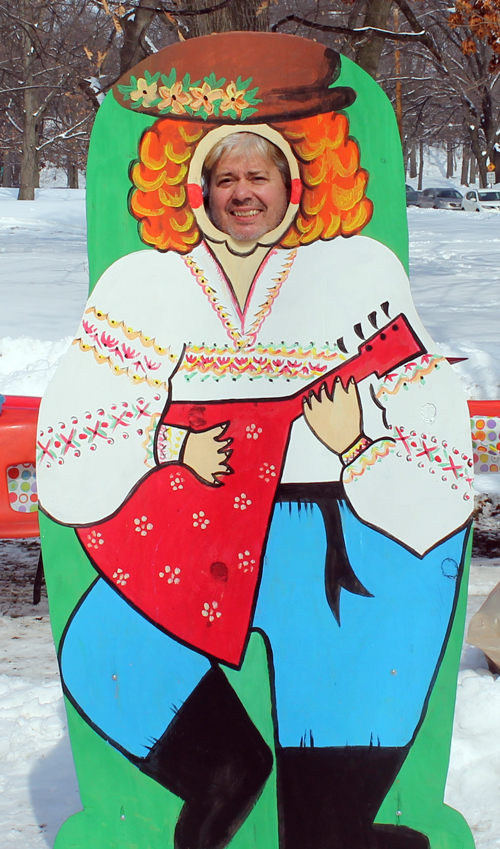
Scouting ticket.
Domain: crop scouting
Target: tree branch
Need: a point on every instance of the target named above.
(66, 134)
(161, 7)
(423, 37)
(207, 10)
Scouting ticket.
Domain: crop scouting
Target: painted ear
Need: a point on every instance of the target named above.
(296, 191)
(195, 195)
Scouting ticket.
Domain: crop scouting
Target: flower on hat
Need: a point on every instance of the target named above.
(142, 91)
(174, 97)
(234, 99)
(205, 97)
(198, 99)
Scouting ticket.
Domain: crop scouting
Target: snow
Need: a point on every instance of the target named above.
(455, 282)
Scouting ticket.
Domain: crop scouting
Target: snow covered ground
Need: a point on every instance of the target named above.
(456, 286)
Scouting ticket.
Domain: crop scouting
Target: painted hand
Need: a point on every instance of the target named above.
(335, 419)
(206, 452)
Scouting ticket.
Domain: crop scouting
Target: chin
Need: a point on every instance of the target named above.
(247, 236)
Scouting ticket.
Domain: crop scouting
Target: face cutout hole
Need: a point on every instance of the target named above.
(246, 185)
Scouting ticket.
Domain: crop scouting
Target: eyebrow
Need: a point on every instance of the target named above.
(258, 171)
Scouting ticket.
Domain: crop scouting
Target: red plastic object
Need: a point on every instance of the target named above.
(484, 408)
(18, 421)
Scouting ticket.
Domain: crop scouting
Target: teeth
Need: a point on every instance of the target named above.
(247, 214)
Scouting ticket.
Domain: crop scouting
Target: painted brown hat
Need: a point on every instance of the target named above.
(236, 76)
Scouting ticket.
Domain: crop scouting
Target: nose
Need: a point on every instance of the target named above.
(242, 191)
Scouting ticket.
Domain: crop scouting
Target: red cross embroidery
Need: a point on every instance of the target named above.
(452, 468)
(92, 432)
(426, 451)
(46, 450)
(402, 438)
(68, 443)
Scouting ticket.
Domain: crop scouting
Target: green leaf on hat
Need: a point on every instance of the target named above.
(241, 85)
(213, 82)
(245, 113)
(149, 79)
(169, 80)
(250, 96)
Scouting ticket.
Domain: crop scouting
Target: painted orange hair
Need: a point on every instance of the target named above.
(333, 200)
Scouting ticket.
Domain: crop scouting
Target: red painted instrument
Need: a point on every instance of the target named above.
(188, 554)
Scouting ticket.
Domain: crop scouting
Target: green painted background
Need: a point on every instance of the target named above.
(124, 808)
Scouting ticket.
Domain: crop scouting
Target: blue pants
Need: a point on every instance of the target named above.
(365, 681)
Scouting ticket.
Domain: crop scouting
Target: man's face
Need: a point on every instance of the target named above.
(247, 196)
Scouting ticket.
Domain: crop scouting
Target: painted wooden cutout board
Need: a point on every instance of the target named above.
(266, 658)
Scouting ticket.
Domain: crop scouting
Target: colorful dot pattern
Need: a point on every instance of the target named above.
(486, 443)
(21, 483)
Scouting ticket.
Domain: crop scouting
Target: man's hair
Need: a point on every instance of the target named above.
(333, 201)
(245, 145)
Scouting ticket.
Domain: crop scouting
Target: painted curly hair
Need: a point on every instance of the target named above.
(333, 201)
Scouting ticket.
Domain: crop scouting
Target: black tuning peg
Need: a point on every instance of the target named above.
(359, 331)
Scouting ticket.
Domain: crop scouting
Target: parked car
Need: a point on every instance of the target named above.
(411, 196)
(440, 199)
(478, 199)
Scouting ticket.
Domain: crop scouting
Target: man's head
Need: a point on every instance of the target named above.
(247, 181)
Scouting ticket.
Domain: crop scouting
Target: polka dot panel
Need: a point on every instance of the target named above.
(21, 483)
(486, 443)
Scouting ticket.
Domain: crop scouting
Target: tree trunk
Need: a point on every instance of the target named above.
(242, 15)
(72, 171)
(465, 165)
(421, 166)
(413, 161)
(450, 165)
(496, 161)
(369, 51)
(472, 178)
(135, 28)
(8, 170)
(29, 157)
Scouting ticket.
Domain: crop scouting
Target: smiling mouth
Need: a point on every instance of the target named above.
(245, 213)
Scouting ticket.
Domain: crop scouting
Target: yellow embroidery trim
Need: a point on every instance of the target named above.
(272, 361)
(130, 333)
(118, 370)
(364, 461)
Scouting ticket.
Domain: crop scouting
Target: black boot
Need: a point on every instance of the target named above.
(400, 837)
(329, 797)
(214, 758)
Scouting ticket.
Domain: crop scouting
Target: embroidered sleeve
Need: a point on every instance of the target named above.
(170, 443)
(355, 450)
(364, 455)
